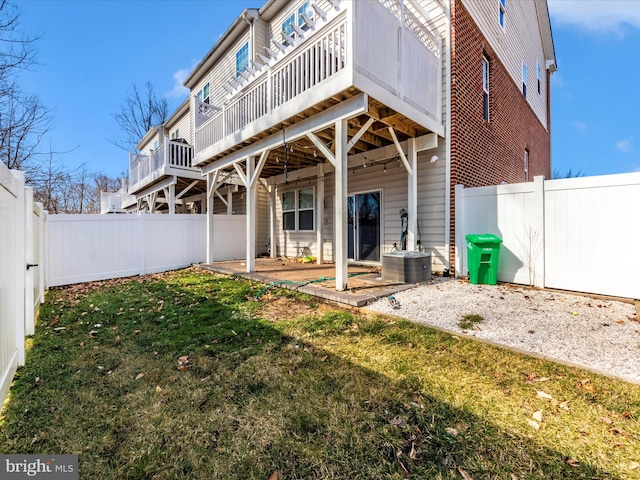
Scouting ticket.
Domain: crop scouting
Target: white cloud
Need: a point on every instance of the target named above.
(624, 145)
(596, 15)
(179, 90)
(579, 125)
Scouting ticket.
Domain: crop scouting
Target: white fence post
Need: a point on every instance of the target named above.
(459, 231)
(20, 266)
(141, 243)
(538, 232)
(30, 260)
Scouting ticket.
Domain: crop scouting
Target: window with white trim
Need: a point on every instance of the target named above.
(539, 74)
(485, 88)
(503, 12)
(242, 59)
(298, 210)
(524, 80)
(297, 19)
(526, 164)
(203, 94)
(175, 134)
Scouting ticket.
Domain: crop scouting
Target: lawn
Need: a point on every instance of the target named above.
(184, 375)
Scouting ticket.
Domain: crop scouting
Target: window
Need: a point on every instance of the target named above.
(485, 88)
(305, 209)
(297, 210)
(203, 95)
(296, 19)
(526, 165)
(503, 12)
(524, 80)
(175, 134)
(538, 74)
(242, 59)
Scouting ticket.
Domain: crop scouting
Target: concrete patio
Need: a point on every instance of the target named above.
(365, 284)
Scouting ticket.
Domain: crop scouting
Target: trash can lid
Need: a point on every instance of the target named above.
(483, 238)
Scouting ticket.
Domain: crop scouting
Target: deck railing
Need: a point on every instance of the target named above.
(322, 53)
(313, 62)
(170, 154)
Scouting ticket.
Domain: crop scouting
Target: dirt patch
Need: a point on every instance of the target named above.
(277, 309)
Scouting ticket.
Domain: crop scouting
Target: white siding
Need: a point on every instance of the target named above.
(148, 147)
(520, 41)
(183, 124)
(393, 184)
(223, 70)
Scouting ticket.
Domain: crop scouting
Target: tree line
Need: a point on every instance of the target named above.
(25, 121)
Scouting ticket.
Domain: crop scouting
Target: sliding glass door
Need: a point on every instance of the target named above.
(364, 226)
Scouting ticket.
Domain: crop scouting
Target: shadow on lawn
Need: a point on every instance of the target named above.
(252, 401)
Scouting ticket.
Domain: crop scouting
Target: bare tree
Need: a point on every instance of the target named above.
(24, 120)
(141, 111)
(568, 174)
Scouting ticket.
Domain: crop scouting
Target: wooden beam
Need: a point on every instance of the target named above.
(191, 185)
(340, 207)
(351, 107)
(361, 132)
(328, 154)
(242, 175)
(403, 157)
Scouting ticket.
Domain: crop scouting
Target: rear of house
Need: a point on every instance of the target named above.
(339, 128)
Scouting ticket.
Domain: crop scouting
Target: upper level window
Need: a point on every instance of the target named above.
(485, 88)
(175, 134)
(524, 80)
(296, 19)
(539, 75)
(297, 209)
(203, 94)
(242, 58)
(503, 12)
(526, 165)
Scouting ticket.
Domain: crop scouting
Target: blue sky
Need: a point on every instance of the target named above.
(92, 51)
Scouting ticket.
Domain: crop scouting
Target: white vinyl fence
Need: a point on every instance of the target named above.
(22, 279)
(84, 248)
(580, 234)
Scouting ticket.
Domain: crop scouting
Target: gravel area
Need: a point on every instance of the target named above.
(595, 334)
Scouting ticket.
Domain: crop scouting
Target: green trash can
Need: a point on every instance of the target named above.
(482, 258)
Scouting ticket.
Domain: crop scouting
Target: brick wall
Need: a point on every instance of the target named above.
(488, 153)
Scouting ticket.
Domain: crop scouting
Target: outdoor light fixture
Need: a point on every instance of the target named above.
(434, 159)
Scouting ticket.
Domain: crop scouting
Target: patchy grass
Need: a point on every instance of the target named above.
(470, 320)
(299, 388)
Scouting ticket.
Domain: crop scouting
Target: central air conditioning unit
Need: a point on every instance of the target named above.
(406, 267)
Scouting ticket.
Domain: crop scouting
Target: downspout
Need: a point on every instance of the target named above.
(447, 201)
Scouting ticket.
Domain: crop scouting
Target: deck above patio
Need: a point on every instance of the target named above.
(337, 56)
(172, 158)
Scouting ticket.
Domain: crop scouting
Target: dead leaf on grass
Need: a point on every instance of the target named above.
(184, 363)
(544, 395)
(606, 420)
(564, 406)
(586, 385)
(274, 476)
(634, 466)
(413, 454)
(533, 424)
(464, 474)
(139, 376)
(572, 462)
(537, 415)
(399, 422)
(619, 431)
